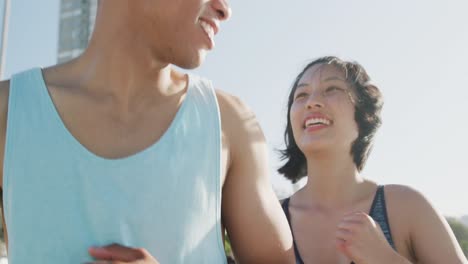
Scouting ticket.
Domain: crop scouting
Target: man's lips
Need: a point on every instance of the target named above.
(211, 23)
(210, 30)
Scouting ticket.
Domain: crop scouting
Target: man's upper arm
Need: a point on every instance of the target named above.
(431, 237)
(4, 91)
(255, 222)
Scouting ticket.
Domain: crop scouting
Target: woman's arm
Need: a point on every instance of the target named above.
(430, 236)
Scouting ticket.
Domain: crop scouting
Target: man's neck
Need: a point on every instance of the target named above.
(121, 63)
(125, 71)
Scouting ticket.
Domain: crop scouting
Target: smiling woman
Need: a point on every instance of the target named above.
(339, 216)
(365, 97)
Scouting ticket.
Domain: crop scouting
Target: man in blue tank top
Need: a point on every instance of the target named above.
(119, 157)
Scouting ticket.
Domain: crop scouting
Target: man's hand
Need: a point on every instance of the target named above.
(361, 239)
(117, 254)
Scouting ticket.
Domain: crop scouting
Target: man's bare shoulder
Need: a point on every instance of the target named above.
(239, 123)
(232, 106)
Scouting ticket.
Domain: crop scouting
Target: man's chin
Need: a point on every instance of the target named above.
(193, 62)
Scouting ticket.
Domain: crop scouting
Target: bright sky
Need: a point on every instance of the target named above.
(415, 51)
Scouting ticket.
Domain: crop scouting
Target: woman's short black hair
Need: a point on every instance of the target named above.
(368, 103)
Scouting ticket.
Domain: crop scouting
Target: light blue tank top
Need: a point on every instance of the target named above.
(60, 199)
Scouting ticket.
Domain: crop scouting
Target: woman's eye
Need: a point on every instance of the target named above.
(300, 95)
(333, 89)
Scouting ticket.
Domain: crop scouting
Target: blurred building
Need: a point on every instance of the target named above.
(76, 24)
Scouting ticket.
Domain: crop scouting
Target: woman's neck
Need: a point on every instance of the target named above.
(332, 182)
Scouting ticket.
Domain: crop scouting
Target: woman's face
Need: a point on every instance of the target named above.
(322, 112)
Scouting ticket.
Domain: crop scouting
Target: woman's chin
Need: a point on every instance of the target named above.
(316, 148)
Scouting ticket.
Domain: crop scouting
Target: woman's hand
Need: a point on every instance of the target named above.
(361, 239)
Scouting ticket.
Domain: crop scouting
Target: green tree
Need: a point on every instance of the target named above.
(1, 226)
(227, 246)
(228, 250)
(461, 233)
